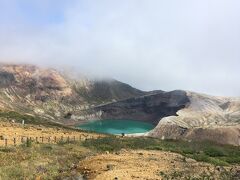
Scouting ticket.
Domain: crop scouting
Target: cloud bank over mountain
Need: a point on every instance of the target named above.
(149, 44)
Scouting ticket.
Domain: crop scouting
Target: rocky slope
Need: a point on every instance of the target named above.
(60, 98)
(149, 108)
(52, 95)
(183, 115)
(206, 118)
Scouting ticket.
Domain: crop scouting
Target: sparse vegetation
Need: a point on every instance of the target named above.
(205, 151)
(52, 161)
(30, 119)
(225, 175)
(47, 161)
(18, 117)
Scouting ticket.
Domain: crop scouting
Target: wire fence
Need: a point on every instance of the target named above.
(14, 141)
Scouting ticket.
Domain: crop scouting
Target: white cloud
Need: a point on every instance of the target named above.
(167, 45)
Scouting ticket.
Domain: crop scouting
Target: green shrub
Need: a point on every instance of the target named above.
(232, 159)
(7, 149)
(105, 144)
(29, 142)
(214, 152)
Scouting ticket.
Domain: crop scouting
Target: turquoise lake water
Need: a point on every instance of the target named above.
(117, 126)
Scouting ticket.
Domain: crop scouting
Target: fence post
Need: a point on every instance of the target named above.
(21, 139)
(68, 139)
(55, 139)
(49, 139)
(14, 141)
(62, 138)
(74, 138)
(80, 138)
(6, 143)
(36, 139)
(42, 139)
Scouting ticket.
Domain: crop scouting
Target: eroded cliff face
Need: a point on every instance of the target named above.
(150, 108)
(50, 94)
(206, 118)
(37, 91)
(37, 82)
(6, 79)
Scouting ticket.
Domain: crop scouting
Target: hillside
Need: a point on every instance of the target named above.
(205, 118)
(149, 108)
(182, 115)
(48, 147)
(52, 96)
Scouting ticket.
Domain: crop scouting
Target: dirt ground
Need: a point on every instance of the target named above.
(126, 164)
(147, 165)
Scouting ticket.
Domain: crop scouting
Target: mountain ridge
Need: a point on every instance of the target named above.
(178, 114)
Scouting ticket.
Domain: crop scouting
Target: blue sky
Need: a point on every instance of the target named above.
(157, 44)
(50, 13)
(34, 12)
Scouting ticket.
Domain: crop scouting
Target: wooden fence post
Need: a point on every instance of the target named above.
(55, 139)
(14, 141)
(42, 139)
(36, 139)
(6, 143)
(49, 139)
(62, 138)
(68, 139)
(22, 139)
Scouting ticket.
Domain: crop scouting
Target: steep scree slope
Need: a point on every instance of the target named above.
(150, 108)
(46, 92)
(206, 118)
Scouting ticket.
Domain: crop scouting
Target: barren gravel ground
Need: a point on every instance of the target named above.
(148, 165)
